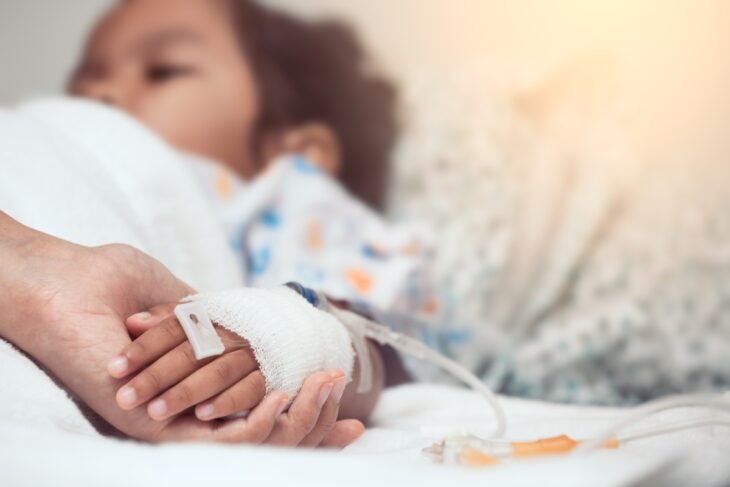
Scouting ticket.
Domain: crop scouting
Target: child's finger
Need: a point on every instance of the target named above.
(328, 415)
(243, 395)
(139, 323)
(258, 425)
(147, 348)
(303, 413)
(167, 371)
(204, 383)
(345, 432)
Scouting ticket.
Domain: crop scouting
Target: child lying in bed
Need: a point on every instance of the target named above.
(282, 107)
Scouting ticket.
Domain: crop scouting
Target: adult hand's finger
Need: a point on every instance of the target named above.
(257, 426)
(345, 432)
(253, 429)
(298, 422)
(328, 415)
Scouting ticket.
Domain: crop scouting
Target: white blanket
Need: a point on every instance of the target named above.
(90, 175)
(45, 440)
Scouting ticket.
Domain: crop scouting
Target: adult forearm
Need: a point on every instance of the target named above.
(16, 242)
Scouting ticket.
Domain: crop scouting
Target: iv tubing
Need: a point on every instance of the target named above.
(419, 350)
(711, 401)
(673, 428)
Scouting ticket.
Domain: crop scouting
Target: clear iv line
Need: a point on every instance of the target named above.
(711, 401)
(673, 428)
(415, 348)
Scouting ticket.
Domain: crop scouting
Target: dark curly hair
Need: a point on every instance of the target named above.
(317, 71)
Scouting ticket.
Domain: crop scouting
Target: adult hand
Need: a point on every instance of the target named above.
(65, 305)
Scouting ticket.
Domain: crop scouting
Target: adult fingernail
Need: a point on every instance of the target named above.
(127, 396)
(206, 411)
(281, 407)
(157, 408)
(144, 315)
(118, 365)
(324, 393)
(338, 390)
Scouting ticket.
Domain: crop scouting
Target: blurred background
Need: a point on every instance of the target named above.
(527, 126)
(667, 61)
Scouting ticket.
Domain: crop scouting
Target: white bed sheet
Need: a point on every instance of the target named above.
(44, 440)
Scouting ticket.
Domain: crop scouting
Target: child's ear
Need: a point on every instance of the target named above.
(315, 141)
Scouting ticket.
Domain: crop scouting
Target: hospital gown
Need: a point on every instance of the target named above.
(590, 300)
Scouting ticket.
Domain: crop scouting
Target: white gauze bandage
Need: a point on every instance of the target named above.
(290, 338)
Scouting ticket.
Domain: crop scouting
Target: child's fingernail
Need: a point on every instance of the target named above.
(338, 390)
(336, 373)
(144, 315)
(157, 408)
(127, 396)
(118, 365)
(206, 411)
(324, 393)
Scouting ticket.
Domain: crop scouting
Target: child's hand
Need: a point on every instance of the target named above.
(174, 380)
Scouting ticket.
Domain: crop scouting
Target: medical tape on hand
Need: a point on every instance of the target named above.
(290, 338)
(354, 328)
(199, 329)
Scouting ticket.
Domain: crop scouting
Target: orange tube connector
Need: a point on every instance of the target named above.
(551, 446)
(491, 453)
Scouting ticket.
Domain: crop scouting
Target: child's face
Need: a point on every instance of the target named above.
(176, 65)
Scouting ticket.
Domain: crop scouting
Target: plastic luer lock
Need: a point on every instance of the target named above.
(199, 330)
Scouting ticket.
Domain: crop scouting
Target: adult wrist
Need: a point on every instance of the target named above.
(12, 235)
(20, 303)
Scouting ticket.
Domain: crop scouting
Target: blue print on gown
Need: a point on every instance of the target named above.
(270, 218)
(259, 260)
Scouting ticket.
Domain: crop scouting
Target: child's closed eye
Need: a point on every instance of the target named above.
(161, 72)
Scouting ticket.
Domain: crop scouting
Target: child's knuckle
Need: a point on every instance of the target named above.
(258, 385)
(241, 357)
(182, 394)
(223, 371)
(229, 403)
(172, 329)
(186, 351)
(148, 382)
